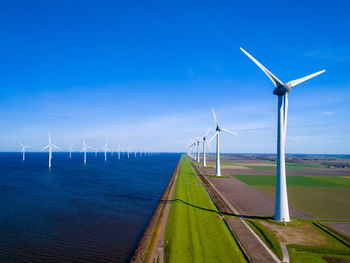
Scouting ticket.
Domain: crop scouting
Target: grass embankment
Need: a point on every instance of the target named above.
(194, 231)
(267, 237)
(322, 197)
(306, 240)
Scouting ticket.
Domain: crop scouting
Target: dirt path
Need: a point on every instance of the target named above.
(155, 253)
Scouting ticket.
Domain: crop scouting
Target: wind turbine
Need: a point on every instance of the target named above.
(204, 138)
(95, 148)
(197, 141)
(24, 150)
(105, 149)
(50, 146)
(135, 151)
(217, 133)
(118, 150)
(85, 147)
(128, 150)
(281, 90)
(70, 151)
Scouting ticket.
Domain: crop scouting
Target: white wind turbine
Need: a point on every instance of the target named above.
(128, 150)
(84, 149)
(204, 138)
(193, 147)
(135, 151)
(194, 144)
(118, 149)
(281, 90)
(96, 149)
(197, 141)
(50, 146)
(24, 150)
(70, 151)
(217, 133)
(105, 149)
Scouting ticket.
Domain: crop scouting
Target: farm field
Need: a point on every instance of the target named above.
(314, 189)
(195, 231)
(306, 241)
(244, 198)
(318, 196)
(246, 165)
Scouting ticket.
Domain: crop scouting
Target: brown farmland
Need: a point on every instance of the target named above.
(247, 200)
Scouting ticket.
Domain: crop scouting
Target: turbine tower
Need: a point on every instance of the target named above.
(118, 150)
(204, 138)
(128, 151)
(281, 90)
(197, 141)
(24, 150)
(217, 133)
(50, 146)
(105, 149)
(70, 151)
(95, 148)
(84, 149)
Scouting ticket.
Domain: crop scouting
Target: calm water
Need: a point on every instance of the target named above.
(77, 213)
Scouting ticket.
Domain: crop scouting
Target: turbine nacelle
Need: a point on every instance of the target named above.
(280, 91)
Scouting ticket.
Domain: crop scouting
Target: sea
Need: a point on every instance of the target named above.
(74, 212)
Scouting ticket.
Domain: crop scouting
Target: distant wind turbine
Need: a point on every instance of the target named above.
(281, 90)
(197, 141)
(128, 150)
(84, 149)
(24, 150)
(70, 151)
(118, 150)
(95, 148)
(50, 146)
(105, 149)
(217, 133)
(204, 138)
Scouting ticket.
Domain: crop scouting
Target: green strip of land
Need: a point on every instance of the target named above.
(195, 231)
(310, 181)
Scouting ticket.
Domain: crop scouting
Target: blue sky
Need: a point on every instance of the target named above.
(146, 73)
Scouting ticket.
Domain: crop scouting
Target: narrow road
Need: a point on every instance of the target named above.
(285, 253)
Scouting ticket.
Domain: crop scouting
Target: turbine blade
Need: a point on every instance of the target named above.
(207, 132)
(293, 83)
(216, 121)
(234, 133)
(272, 77)
(55, 146)
(213, 137)
(45, 147)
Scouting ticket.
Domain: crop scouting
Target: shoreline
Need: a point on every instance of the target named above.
(147, 247)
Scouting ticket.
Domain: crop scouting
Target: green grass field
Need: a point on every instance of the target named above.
(323, 197)
(318, 202)
(289, 167)
(194, 231)
(309, 181)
